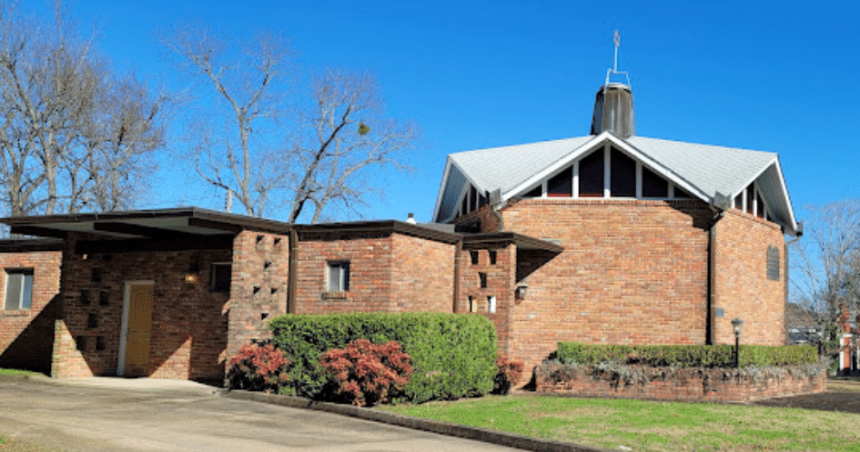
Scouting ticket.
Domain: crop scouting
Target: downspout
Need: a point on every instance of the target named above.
(458, 252)
(292, 271)
(712, 275)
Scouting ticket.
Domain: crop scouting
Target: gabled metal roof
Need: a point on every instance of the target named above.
(703, 170)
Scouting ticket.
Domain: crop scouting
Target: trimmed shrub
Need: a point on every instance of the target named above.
(508, 374)
(686, 355)
(367, 373)
(258, 367)
(452, 354)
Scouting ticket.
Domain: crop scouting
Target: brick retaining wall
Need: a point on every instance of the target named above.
(676, 385)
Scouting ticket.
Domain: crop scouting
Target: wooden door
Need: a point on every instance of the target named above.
(139, 330)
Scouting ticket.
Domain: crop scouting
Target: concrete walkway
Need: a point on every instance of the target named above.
(114, 414)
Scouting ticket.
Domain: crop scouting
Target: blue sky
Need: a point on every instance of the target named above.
(772, 76)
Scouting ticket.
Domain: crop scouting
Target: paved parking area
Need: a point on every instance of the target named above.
(152, 415)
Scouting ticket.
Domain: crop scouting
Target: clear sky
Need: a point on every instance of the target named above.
(772, 76)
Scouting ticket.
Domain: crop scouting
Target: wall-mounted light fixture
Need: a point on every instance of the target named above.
(191, 275)
(522, 290)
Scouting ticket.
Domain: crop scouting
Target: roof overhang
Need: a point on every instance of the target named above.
(523, 242)
(163, 224)
(351, 229)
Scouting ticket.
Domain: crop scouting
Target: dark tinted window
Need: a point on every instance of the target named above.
(560, 185)
(622, 175)
(591, 175)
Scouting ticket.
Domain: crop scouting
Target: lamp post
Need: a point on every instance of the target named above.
(737, 324)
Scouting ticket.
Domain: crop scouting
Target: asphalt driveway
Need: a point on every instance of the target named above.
(128, 415)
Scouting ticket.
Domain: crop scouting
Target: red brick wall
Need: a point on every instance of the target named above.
(389, 272)
(682, 385)
(26, 336)
(371, 259)
(423, 274)
(741, 286)
(189, 323)
(632, 272)
(258, 288)
(500, 284)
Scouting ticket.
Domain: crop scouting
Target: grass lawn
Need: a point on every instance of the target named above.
(17, 372)
(13, 445)
(651, 426)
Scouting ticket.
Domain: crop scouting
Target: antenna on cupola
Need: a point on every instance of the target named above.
(613, 106)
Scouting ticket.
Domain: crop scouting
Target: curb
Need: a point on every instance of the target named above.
(442, 428)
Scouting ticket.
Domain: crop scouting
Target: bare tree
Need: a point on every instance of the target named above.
(347, 136)
(826, 263)
(249, 146)
(73, 135)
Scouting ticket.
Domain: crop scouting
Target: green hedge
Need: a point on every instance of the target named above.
(686, 355)
(453, 354)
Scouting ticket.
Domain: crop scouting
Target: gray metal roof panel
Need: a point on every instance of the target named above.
(709, 168)
(506, 167)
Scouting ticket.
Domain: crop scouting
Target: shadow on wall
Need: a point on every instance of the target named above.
(34, 347)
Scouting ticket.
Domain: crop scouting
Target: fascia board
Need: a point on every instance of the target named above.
(756, 176)
(585, 147)
(442, 187)
(659, 168)
(786, 196)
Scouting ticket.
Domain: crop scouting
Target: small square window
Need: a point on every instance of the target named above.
(474, 256)
(338, 276)
(19, 289)
(220, 280)
(492, 257)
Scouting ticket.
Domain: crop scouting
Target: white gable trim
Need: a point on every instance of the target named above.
(791, 221)
(462, 190)
(594, 144)
(442, 188)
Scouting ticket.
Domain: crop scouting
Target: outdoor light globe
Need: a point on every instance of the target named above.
(737, 324)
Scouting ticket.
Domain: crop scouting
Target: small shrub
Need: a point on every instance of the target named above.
(509, 373)
(366, 373)
(258, 367)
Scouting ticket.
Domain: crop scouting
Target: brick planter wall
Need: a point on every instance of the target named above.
(676, 385)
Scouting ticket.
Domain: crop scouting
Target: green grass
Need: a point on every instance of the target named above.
(17, 372)
(13, 445)
(651, 426)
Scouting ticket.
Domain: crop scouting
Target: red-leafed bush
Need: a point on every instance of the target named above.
(258, 367)
(366, 373)
(509, 373)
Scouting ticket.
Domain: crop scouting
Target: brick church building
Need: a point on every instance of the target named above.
(606, 238)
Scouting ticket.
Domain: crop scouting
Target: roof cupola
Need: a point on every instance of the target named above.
(613, 105)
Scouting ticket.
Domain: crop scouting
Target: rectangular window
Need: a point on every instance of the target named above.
(220, 278)
(759, 209)
(653, 186)
(739, 201)
(750, 199)
(561, 185)
(772, 263)
(338, 276)
(591, 174)
(492, 257)
(622, 179)
(19, 289)
(482, 279)
(473, 195)
(474, 256)
(536, 192)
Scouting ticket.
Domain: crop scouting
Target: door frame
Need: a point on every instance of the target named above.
(123, 331)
